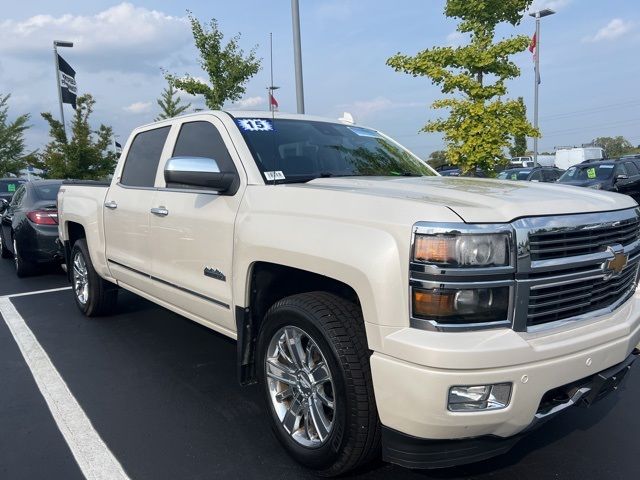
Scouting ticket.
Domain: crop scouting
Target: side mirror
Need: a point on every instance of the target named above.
(200, 172)
(622, 176)
(4, 204)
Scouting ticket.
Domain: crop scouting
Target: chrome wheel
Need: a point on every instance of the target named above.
(300, 386)
(80, 278)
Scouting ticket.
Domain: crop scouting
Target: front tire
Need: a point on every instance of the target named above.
(94, 296)
(4, 251)
(313, 364)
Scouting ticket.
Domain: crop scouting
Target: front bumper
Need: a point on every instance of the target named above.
(413, 377)
(412, 452)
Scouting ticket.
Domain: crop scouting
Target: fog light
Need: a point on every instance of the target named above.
(479, 397)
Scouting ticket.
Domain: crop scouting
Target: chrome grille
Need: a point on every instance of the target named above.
(559, 302)
(560, 243)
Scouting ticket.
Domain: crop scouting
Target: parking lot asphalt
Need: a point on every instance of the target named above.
(162, 393)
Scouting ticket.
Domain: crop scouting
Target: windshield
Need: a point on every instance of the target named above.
(301, 150)
(9, 186)
(514, 174)
(587, 173)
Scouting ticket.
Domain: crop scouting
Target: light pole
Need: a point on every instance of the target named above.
(537, 15)
(56, 44)
(297, 54)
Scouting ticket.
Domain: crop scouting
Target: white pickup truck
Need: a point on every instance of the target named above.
(379, 305)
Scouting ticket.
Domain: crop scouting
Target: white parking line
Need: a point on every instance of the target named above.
(94, 458)
(36, 292)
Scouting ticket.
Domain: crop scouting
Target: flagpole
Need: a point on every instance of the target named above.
(537, 87)
(537, 15)
(57, 64)
(271, 106)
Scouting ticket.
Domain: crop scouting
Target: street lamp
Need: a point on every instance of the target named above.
(537, 15)
(62, 44)
(297, 55)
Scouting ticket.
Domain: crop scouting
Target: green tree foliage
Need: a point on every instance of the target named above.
(519, 147)
(228, 67)
(170, 104)
(88, 155)
(481, 123)
(438, 159)
(12, 148)
(614, 146)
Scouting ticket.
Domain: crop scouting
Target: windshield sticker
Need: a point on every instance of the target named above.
(276, 175)
(364, 132)
(514, 176)
(591, 172)
(11, 187)
(606, 166)
(255, 124)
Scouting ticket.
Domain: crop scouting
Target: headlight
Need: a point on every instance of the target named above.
(461, 306)
(463, 250)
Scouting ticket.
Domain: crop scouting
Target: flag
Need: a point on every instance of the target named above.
(67, 79)
(533, 48)
(533, 45)
(118, 147)
(273, 103)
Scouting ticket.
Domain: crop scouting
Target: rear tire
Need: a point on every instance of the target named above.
(341, 396)
(23, 267)
(93, 295)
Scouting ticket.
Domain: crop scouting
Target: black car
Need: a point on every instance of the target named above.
(532, 174)
(8, 187)
(29, 226)
(622, 175)
(453, 171)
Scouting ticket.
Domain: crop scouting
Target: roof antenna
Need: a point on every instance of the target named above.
(347, 118)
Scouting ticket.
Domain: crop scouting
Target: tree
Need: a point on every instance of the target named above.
(12, 148)
(169, 104)
(481, 123)
(227, 66)
(614, 146)
(438, 159)
(87, 155)
(519, 147)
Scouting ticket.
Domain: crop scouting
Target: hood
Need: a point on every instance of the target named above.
(478, 200)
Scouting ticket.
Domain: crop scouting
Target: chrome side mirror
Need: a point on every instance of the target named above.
(200, 172)
(4, 204)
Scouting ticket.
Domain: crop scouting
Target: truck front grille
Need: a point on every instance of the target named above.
(560, 243)
(568, 266)
(553, 303)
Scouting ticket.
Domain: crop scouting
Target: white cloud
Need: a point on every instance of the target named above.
(612, 30)
(250, 102)
(364, 108)
(138, 107)
(456, 38)
(123, 37)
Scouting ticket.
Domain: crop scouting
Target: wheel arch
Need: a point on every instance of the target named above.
(266, 284)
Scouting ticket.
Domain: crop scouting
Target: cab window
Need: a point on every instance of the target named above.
(143, 157)
(202, 139)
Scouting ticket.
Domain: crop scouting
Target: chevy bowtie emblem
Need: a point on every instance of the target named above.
(612, 267)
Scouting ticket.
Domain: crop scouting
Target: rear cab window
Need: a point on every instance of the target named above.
(143, 157)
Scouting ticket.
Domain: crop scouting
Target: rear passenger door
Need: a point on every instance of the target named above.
(127, 209)
(192, 240)
(633, 185)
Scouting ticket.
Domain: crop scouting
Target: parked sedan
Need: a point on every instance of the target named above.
(621, 176)
(532, 174)
(29, 227)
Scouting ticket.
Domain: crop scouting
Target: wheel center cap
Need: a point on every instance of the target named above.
(304, 384)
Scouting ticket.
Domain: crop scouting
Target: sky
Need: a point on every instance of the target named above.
(588, 54)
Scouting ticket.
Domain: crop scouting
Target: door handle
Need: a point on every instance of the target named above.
(111, 205)
(160, 211)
